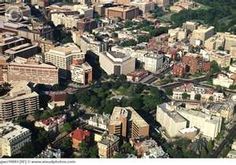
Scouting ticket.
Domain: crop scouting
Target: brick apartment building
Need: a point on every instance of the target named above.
(195, 63)
(179, 70)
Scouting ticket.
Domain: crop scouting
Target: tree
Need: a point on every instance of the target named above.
(211, 98)
(214, 67)
(199, 145)
(83, 148)
(185, 96)
(66, 146)
(67, 127)
(28, 151)
(93, 151)
(197, 97)
(169, 91)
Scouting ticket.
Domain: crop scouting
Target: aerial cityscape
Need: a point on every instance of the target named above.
(117, 79)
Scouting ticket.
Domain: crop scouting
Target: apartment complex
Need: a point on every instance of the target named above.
(126, 122)
(179, 70)
(12, 138)
(62, 56)
(32, 70)
(107, 146)
(122, 12)
(195, 63)
(117, 63)
(170, 120)
(19, 101)
(81, 73)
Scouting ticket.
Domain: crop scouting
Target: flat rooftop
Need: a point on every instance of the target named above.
(9, 130)
(169, 110)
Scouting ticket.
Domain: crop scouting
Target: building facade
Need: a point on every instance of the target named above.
(116, 63)
(13, 138)
(18, 102)
(32, 70)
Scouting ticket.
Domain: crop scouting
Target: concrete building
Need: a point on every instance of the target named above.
(50, 152)
(221, 57)
(62, 56)
(81, 73)
(191, 26)
(99, 121)
(107, 146)
(87, 42)
(208, 125)
(202, 33)
(9, 40)
(153, 61)
(170, 120)
(122, 12)
(144, 6)
(32, 70)
(18, 102)
(25, 50)
(116, 63)
(72, 20)
(162, 3)
(223, 80)
(12, 138)
(126, 122)
(83, 10)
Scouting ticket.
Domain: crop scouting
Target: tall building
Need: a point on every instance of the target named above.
(195, 63)
(19, 101)
(116, 63)
(153, 62)
(62, 56)
(81, 73)
(126, 122)
(12, 138)
(170, 120)
(202, 34)
(107, 146)
(32, 70)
